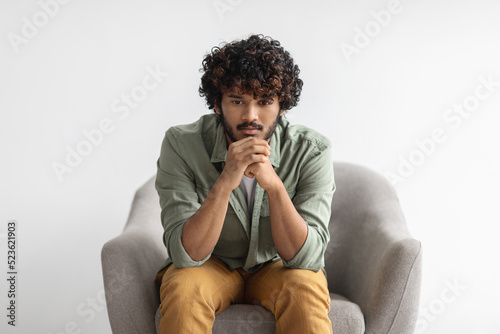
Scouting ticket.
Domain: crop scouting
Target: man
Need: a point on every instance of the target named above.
(245, 198)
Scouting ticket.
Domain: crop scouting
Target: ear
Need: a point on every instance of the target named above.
(217, 109)
(282, 112)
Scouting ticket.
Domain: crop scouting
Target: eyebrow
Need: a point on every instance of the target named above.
(234, 96)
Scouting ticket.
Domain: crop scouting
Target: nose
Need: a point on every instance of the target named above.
(250, 114)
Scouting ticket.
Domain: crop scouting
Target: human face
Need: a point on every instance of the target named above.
(243, 116)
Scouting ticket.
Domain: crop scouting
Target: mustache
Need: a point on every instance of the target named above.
(249, 125)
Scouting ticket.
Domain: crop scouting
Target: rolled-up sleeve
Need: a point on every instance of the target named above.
(176, 187)
(312, 201)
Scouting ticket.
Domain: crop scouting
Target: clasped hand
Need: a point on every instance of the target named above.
(250, 157)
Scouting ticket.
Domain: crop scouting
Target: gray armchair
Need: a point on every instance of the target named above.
(372, 262)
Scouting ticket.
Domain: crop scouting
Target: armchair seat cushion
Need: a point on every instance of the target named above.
(346, 317)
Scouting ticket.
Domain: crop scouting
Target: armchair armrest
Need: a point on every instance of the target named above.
(372, 258)
(130, 263)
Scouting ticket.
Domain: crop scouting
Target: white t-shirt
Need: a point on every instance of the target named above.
(247, 185)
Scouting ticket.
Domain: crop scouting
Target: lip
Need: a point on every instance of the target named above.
(249, 131)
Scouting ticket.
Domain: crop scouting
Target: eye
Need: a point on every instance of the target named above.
(266, 102)
(236, 102)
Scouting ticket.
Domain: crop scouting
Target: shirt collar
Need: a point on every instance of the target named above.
(219, 152)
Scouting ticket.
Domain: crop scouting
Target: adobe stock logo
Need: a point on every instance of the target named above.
(122, 107)
(453, 118)
(224, 6)
(363, 37)
(30, 28)
(438, 305)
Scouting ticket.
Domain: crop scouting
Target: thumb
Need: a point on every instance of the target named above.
(248, 172)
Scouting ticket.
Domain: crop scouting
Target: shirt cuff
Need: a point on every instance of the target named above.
(178, 254)
(307, 257)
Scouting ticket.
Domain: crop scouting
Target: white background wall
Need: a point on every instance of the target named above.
(64, 75)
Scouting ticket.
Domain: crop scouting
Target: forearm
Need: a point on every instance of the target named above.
(202, 230)
(289, 230)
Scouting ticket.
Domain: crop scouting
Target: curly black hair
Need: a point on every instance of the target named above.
(257, 65)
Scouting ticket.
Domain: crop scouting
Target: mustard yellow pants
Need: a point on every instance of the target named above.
(191, 297)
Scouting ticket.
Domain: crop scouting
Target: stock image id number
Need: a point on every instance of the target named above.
(11, 245)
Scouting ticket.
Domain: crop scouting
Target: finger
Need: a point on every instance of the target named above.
(241, 142)
(249, 174)
(257, 150)
(254, 169)
(243, 164)
(251, 141)
(255, 164)
(249, 156)
(250, 149)
(254, 158)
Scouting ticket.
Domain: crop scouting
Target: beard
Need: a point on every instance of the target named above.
(230, 133)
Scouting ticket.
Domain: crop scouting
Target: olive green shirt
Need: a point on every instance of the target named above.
(192, 158)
